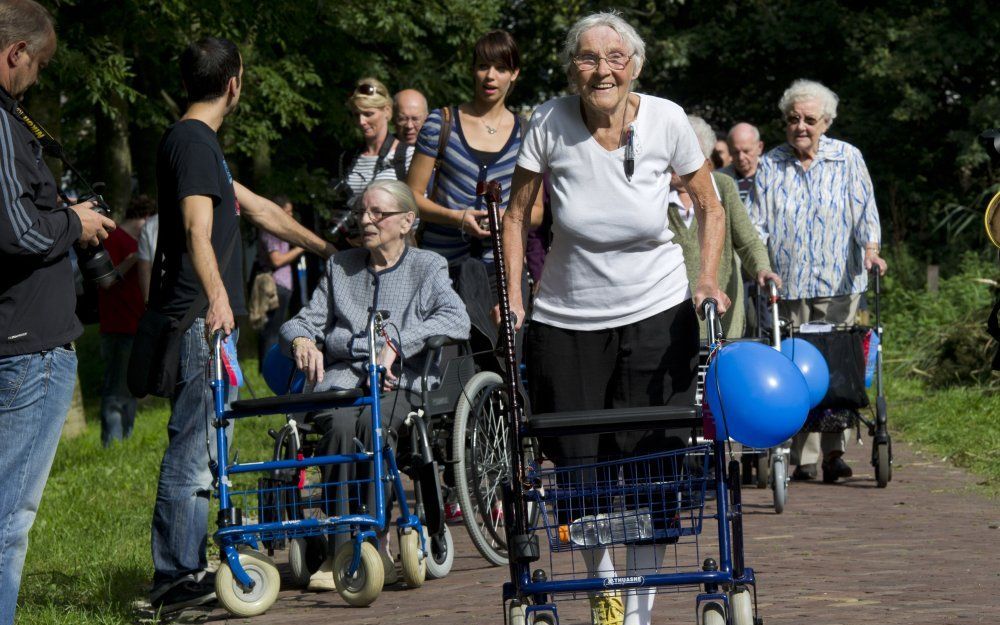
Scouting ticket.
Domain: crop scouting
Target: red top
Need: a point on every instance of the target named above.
(120, 306)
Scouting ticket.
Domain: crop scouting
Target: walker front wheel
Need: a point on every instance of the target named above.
(364, 587)
(713, 614)
(413, 559)
(248, 602)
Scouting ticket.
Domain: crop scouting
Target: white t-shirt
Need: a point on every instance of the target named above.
(612, 261)
(147, 239)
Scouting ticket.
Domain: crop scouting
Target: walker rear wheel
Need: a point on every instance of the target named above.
(741, 605)
(779, 484)
(883, 465)
(763, 470)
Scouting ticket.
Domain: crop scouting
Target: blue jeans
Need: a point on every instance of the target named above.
(35, 394)
(117, 403)
(180, 516)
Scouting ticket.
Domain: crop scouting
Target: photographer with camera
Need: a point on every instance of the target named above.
(199, 291)
(37, 293)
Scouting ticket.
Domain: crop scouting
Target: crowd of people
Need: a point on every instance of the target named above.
(609, 194)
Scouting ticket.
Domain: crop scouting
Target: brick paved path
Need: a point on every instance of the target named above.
(925, 550)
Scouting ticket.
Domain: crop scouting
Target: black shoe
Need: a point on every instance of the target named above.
(804, 472)
(835, 469)
(184, 595)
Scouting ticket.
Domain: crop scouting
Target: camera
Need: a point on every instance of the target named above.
(95, 262)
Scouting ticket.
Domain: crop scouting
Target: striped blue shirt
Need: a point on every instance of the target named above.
(816, 222)
(459, 174)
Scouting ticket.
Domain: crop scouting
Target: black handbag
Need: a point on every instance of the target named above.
(154, 362)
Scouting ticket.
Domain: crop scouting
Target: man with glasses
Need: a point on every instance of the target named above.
(410, 108)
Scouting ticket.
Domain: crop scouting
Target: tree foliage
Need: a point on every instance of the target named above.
(917, 80)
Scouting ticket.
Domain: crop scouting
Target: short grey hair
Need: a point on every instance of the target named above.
(802, 90)
(400, 192)
(705, 134)
(25, 20)
(614, 21)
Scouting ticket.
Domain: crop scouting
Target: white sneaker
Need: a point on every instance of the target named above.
(322, 579)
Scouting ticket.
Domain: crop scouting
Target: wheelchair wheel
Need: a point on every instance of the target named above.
(258, 599)
(479, 448)
(441, 556)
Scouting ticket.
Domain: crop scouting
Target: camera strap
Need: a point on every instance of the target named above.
(49, 144)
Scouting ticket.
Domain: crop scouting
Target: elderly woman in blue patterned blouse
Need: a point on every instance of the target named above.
(815, 207)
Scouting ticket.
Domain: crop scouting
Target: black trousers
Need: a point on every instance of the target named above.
(652, 362)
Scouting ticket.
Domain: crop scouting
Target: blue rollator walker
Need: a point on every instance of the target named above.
(629, 504)
(247, 583)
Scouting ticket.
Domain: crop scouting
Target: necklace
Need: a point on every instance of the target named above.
(492, 129)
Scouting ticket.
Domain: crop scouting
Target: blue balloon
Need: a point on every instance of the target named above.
(280, 373)
(812, 364)
(757, 396)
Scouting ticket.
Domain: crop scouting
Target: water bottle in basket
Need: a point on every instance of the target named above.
(603, 529)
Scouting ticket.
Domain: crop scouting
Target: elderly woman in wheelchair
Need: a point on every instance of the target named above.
(411, 290)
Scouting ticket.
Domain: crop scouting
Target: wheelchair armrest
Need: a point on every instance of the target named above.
(438, 341)
(300, 402)
(614, 419)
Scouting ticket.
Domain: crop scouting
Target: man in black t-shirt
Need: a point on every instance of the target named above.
(199, 240)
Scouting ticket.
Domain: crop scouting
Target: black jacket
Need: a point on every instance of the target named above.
(37, 291)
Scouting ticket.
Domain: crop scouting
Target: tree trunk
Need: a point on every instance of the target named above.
(144, 142)
(115, 156)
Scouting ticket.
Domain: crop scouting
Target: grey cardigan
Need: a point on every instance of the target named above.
(418, 295)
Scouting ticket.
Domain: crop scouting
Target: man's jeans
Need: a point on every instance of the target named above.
(118, 406)
(180, 516)
(35, 394)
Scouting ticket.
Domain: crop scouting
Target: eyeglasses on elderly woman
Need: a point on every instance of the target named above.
(615, 60)
(377, 214)
(793, 120)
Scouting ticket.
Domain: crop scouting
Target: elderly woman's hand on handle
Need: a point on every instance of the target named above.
(308, 359)
(707, 289)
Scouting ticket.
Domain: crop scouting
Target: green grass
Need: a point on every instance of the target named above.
(88, 559)
(961, 424)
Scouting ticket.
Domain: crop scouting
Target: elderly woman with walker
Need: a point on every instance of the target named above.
(614, 322)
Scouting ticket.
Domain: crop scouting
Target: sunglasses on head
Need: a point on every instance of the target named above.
(366, 89)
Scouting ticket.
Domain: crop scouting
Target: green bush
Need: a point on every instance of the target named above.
(941, 336)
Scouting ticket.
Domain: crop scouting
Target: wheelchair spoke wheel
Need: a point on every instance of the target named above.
(481, 460)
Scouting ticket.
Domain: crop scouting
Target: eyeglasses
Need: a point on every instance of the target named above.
(376, 214)
(366, 89)
(403, 121)
(793, 120)
(615, 60)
